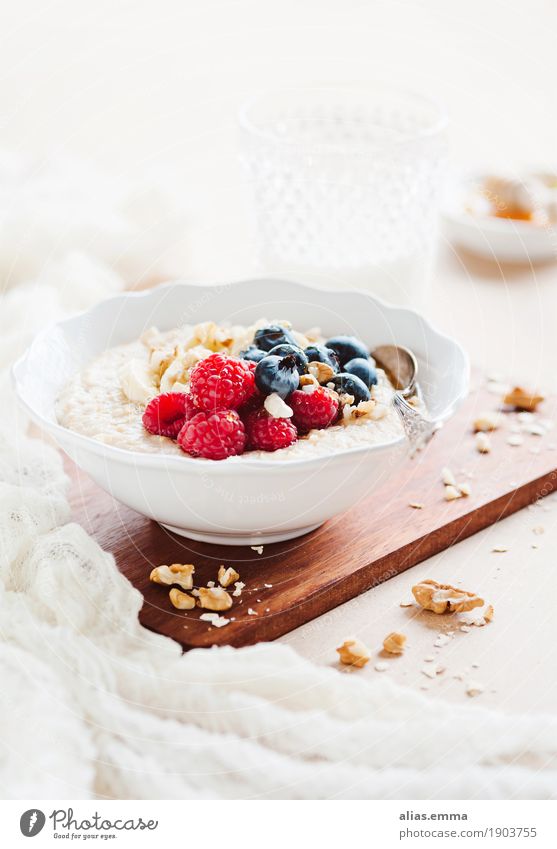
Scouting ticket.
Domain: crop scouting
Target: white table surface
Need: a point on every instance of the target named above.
(155, 86)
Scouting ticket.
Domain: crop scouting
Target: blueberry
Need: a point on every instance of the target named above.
(347, 347)
(364, 369)
(268, 337)
(321, 354)
(284, 350)
(277, 374)
(252, 354)
(349, 384)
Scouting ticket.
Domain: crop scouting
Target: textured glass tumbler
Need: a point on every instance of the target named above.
(347, 182)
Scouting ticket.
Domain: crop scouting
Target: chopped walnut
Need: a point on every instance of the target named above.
(394, 643)
(442, 598)
(227, 576)
(322, 372)
(180, 600)
(214, 598)
(179, 573)
(488, 421)
(523, 399)
(452, 493)
(308, 380)
(483, 443)
(364, 408)
(353, 652)
(447, 477)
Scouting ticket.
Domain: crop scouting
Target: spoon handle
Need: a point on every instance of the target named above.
(417, 428)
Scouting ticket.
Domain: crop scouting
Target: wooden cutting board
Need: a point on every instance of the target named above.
(291, 583)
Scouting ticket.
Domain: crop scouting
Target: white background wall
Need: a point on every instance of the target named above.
(139, 84)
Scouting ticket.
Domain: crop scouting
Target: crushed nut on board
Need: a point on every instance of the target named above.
(539, 529)
(416, 505)
(353, 652)
(499, 549)
(215, 620)
(473, 688)
(381, 666)
(227, 576)
(488, 421)
(522, 399)
(451, 493)
(447, 477)
(477, 617)
(483, 443)
(214, 598)
(180, 600)
(179, 573)
(238, 587)
(442, 598)
(432, 671)
(515, 439)
(394, 642)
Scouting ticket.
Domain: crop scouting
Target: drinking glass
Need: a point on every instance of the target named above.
(347, 182)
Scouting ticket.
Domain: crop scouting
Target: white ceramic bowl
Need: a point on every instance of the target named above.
(246, 501)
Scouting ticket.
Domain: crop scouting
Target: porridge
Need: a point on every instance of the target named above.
(216, 392)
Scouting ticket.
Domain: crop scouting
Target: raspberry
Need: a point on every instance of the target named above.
(213, 435)
(317, 409)
(221, 383)
(266, 433)
(166, 414)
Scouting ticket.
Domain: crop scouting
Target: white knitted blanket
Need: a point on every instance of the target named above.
(92, 704)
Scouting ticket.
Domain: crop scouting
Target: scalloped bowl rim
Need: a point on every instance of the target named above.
(162, 460)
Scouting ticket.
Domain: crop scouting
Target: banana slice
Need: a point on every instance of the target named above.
(137, 382)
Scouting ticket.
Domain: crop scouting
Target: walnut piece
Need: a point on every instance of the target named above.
(394, 643)
(353, 652)
(322, 372)
(180, 600)
(483, 443)
(488, 421)
(523, 399)
(179, 573)
(214, 598)
(227, 576)
(442, 598)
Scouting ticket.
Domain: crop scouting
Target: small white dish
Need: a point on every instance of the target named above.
(250, 501)
(499, 239)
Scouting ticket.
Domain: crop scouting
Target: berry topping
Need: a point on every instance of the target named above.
(349, 384)
(214, 436)
(221, 383)
(347, 347)
(165, 414)
(284, 350)
(267, 337)
(364, 369)
(267, 433)
(317, 409)
(252, 354)
(277, 374)
(321, 354)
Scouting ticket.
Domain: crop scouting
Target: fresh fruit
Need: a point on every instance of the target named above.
(284, 350)
(220, 382)
(267, 433)
(272, 335)
(165, 414)
(347, 347)
(364, 369)
(215, 435)
(321, 354)
(277, 374)
(252, 354)
(317, 409)
(350, 384)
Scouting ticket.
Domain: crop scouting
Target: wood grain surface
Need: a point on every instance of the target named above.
(291, 583)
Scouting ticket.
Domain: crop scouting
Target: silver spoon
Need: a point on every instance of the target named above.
(401, 367)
